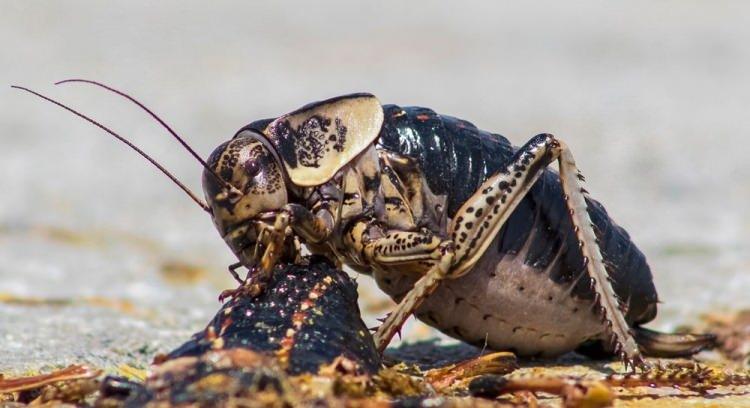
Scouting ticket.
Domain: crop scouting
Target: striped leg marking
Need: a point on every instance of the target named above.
(472, 230)
(480, 218)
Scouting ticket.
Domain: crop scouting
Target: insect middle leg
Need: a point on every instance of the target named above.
(311, 227)
(406, 249)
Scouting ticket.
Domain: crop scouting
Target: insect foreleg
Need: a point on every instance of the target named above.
(275, 244)
(481, 217)
(313, 228)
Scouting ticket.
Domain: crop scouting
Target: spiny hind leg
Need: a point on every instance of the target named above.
(611, 309)
(480, 218)
(656, 344)
(474, 227)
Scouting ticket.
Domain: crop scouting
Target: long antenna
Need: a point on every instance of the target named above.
(122, 139)
(157, 118)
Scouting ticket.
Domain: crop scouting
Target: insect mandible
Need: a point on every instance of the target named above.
(478, 238)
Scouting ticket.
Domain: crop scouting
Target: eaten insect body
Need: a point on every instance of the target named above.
(476, 237)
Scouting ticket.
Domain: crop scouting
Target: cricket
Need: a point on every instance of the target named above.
(478, 238)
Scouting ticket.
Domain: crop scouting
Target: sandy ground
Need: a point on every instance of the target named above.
(103, 261)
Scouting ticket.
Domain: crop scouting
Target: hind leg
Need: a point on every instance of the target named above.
(480, 218)
(611, 309)
(474, 227)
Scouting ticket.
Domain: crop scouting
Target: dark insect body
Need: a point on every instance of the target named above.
(477, 237)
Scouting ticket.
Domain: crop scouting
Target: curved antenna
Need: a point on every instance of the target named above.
(122, 139)
(158, 119)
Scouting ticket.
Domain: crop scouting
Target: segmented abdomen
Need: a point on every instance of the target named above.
(456, 158)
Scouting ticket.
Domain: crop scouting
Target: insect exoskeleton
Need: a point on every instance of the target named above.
(518, 255)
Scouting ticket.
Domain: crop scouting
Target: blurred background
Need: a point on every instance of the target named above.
(103, 260)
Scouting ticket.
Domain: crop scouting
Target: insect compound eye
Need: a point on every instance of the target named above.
(252, 168)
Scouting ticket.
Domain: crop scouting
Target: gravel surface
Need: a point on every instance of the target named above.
(103, 261)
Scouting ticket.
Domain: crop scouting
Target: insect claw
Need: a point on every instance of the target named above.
(250, 287)
(225, 294)
(626, 362)
(641, 363)
(632, 365)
